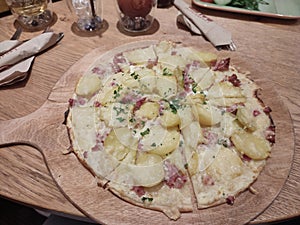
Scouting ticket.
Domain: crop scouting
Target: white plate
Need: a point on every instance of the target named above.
(283, 9)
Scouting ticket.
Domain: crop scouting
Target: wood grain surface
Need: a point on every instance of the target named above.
(265, 47)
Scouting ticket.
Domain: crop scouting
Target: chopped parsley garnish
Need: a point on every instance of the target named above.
(223, 142)
(147, 131)
(117, 92)
(147, 198)
(153, 144)
(166, 72)
(134, 75)
(132, 120)
(186, 166)
(118, 110)
(120, 119)
(173, 108)
(194, 87)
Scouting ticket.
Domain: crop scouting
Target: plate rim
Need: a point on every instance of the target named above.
(242, 11)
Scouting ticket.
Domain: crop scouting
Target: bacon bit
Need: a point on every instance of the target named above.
(97, 104)
(119, 58)
(256, 112)
(246, 158)
(267, 110)
(271, 138)
(96, 148)
(161, 107)
(139, 103)
(230, 200)
(211, 137)
(270, 134)
(100, 71)
(115, 67)
(81, 100)
(233, 109)
(271, 128)
(72, 102)
(207, 180)
(234, 80)
(151, 63)
(139, 190)
(140, 146)
(85, 154)
(130, 98)
(187, 81)
(222, 65)
(174, 178)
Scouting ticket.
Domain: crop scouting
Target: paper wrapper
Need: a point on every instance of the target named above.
(216, 34)
(16, 62)
(7, 45)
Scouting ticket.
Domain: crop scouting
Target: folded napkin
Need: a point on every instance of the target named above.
(216, 34)
(8, 45)
(17, 57)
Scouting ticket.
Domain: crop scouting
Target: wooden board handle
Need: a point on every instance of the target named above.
(16, 131)
(42, 129)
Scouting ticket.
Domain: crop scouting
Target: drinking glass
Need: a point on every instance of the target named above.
(136, 15)
(88, 15)
(32, 15)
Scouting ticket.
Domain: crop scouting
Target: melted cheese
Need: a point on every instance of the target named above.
(168, 114)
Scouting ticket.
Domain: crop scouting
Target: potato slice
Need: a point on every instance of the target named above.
(226, 101)
(83, 125)
(192, 134)
(187, 115)
(88, 85)
(193, 164)
(246, 118)
(253, 146)
(208, 115)
(148, 172)
(147, 159)
(114, 147)
(169, 119)
(140, 55)
(165, 142)
(208, 57)
(148, 110)
(166, 86)
(226, 165)
(224, 90)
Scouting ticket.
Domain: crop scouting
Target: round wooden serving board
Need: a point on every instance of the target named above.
(44, 129)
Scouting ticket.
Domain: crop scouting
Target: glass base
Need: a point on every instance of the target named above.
(89, 29)
(89, 24)
(36, 23)
(136, 24)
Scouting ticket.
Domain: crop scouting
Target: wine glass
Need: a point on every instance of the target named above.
(88, 15)
(32, 15)
(136, 15)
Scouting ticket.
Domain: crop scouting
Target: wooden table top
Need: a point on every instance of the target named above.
(270, 44)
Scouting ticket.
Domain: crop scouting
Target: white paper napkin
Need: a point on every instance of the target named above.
(18, 56)
(216, 34)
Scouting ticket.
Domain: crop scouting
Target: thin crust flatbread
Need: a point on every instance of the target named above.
(164, 124)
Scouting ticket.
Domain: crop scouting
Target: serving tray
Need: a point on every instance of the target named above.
(282, 9)
(44, 129)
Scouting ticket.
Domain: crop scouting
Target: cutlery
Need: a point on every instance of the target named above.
(217, 35)
(17, 34)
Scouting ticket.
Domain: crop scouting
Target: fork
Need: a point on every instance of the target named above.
(17, 33)
(229, 47)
